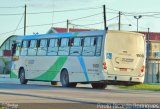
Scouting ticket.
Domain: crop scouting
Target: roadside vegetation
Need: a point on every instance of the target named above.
(151, 87)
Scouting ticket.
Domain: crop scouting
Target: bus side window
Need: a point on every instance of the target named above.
(53, 47)
(32, 49)
(98, 47)
(42, 50)
(87, 41)
(77, 42)
(43, 43)
(64, 48)
(76, 49)
(89, 46)
(32, 44)
(51, 42)
(24, 48)
(56, 43)
(24, 44)
(64, 42)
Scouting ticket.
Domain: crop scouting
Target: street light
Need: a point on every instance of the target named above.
(137, 17)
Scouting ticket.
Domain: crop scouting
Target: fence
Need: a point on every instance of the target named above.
(153, 73)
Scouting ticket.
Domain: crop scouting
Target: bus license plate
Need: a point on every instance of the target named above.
(123, 69)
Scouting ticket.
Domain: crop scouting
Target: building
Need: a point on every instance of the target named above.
(154, 44)
(60, 30)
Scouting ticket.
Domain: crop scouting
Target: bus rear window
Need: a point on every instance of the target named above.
(120, 42)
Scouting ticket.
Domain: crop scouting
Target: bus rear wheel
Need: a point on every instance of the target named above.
(64, 78)
(99, 85)
(22, 78)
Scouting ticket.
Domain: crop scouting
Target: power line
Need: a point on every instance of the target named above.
(16, 27)
(14, 7)
(86, 16)
(144, 15)
(65, 20)
(46, 24)
(53, 23)
(79, 9)
(11, 31)
(135, 13)
(19, 23)
(109, 12)
(15, 14)
(113, 9)
(112, 18)
(88, 24)
(48, 12)
(71, 23)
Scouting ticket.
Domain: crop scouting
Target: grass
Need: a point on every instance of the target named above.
(150, 87)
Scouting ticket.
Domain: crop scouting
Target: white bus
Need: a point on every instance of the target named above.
(97, 57)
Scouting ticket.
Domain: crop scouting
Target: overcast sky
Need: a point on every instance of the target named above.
(13, 22)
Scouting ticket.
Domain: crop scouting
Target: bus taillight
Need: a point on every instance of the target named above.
(105, 65)
(142, 68)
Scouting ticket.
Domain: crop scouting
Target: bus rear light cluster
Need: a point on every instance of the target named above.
(142, 68)
(104, 65)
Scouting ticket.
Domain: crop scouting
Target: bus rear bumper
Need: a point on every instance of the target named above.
(127, 83)
(124, 80)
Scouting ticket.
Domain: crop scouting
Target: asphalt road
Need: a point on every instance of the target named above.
(42, 92)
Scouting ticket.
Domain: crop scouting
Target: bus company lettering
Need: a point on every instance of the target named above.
(123, 60)
(127, 60)
(29, 62)
(95, 65)
(93, 70)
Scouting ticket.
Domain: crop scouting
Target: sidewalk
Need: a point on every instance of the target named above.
(4, 76)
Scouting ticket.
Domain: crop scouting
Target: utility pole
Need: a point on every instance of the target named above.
(148, 54)
(119, 23)
(67, 25)
(104, 15)
(25, 12)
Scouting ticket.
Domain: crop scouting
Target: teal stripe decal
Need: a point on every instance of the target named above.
(83, 67)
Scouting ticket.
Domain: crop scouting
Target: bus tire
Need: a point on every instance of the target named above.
(73, 84)
(99, 85)
(64, 78)
(22, 78)
(54, 83)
